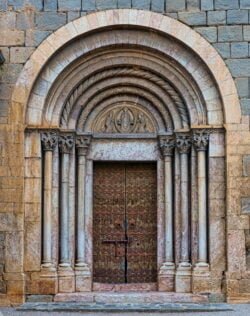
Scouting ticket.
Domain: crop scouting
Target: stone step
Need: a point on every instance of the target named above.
(109, 308)
(131, 297)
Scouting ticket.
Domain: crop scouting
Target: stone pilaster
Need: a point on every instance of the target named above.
(82, 271)
(183, 274)
(167, 270)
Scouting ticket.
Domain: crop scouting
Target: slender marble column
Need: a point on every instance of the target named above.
(200, 140)
(82, 145)
(66, 143)
(184, 145)
(167, 144)
(49, 142)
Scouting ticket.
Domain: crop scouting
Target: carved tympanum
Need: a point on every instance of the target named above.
(124, 120)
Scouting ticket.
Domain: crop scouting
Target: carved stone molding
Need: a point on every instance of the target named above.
(49, 140)
(167, 145)
(201, 139)
(183, 143)
(124, 120)
(66, 143)
(82, 144)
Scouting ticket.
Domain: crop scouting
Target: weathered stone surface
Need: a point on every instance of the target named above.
(245, 205)
(141, 4)
(175, 5)
(243, 87)
(239, 49)
(88, 5)
(244, 4)
(216, 17)
(11, 38)
(39, 298)
(239, 67)
(223, 49)
(25, 20)
(244, 286)
(7, 20)
(193, 5)
(209, 33)
(19, 55)
(73, 5)
(246, 32)
(156, 5)
(72, 15)
(193, 18)
(226, 4)
(34, 38)
(49, 21)
(207, 5)
(237, 16)
(50, 5)
(230, 33)
(21, 4)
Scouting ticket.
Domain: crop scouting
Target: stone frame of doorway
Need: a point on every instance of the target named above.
(20, 96)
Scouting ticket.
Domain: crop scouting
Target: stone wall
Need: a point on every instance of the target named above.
(24, 24)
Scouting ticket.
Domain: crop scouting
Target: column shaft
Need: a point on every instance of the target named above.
(47, 202)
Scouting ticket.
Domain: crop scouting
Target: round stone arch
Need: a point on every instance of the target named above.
(54, 107)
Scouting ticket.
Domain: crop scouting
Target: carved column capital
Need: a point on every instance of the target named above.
(82, 144)
(183, 143)
(201, 139)
(66, 143)
(167, 145)
(49, 140)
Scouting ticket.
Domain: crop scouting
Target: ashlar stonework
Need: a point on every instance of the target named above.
(132, 87)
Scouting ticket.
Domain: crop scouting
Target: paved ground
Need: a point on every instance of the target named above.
(239, 310)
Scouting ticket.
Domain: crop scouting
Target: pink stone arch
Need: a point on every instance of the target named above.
(147, 19)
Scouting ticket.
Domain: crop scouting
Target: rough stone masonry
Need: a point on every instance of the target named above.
(24, 25)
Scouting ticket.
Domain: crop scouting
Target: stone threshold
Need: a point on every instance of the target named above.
(131, 297)
(125, 307)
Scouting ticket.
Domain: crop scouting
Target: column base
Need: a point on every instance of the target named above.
(48, 280)
(166, 277)
(66, 279)
(183, 278)
(83, 278)
(201, 282)
(48, 267)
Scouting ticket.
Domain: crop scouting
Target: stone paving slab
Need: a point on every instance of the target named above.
(111, 308)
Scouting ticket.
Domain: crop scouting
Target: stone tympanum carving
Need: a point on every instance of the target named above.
(124, 120)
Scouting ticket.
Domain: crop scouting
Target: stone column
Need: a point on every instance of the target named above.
(183, 275)
(167, 271)
(83, 275)
(201, 270)
(49, 142)
(66, 280)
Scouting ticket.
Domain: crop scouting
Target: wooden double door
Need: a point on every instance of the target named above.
(125, 223)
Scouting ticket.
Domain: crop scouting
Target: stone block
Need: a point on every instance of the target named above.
(4, 108)
(25, 20)
(209, 33)
(207, 5)
(141, 4)
(5, 91)
(237, 17)
(3, 287)
(246, 167)
(230, 33)
(72, 15)
(3, 5)
(106, 4)
(72, 5)
(244, 286)
(29, 4)
(83, 280)
(49, 21)
(34, 38)
(216, 17)
(7, 20)
(11, 38)
(193, 18)
(11, 221)
(183, 280)
(193, 5)
(19, 55)
(158, 5)
(66, 281)
(32, 190)
(15, 287)
(32, 246)
(239, 49)
(245, 4)
(10, 73)
(14, 255)
(50, 5)
(2, 250)
(223, 49)
(239, 67)
(39, 298)
(226, 4)
(242, 85)
(32, 212)
(245, 205)
(88, 5)
(6, 53)
(175, 5)
(246, 32)
(245, 106)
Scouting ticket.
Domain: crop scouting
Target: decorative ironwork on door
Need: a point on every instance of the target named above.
(125, 223)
